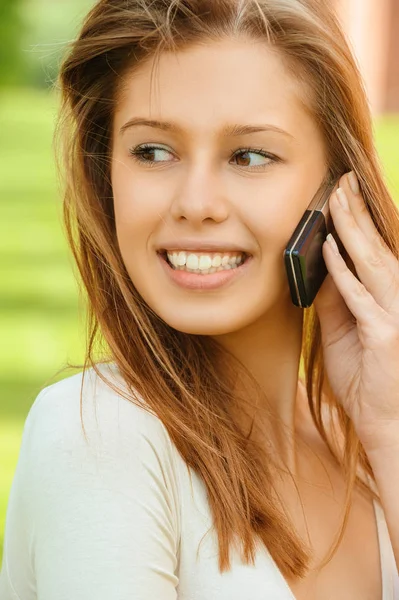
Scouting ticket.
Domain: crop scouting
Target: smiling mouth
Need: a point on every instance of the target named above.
(244, 259)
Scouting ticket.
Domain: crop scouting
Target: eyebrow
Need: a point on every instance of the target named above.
(226, 131)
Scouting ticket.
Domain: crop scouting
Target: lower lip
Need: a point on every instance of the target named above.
(212, 281)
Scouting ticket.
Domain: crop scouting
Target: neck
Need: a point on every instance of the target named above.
(271, 350)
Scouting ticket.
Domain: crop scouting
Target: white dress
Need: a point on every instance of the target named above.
(117, 518)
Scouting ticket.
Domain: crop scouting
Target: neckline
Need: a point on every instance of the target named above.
(385, 558)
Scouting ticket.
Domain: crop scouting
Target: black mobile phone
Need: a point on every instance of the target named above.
(303, 258)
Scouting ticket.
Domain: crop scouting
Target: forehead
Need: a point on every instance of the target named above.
(207, 85)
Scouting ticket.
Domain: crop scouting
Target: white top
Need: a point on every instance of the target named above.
(117, 517)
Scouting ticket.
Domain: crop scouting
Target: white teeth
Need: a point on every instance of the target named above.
(204, 263)
(217, 261)
(192, 262)
(181, 259)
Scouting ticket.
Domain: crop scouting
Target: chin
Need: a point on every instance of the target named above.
(215, 314)
(207, 322)
(203, 329)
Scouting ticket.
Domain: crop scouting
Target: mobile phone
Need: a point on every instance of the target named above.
(303, 258)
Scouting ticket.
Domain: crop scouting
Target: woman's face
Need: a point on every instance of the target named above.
(204, 186)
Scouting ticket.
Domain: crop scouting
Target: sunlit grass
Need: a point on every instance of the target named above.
(39, 313)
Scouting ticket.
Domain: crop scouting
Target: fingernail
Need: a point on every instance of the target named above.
(333, 244)
(353, 182)
(343, 199)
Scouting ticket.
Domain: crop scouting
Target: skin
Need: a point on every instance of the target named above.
(197, 189)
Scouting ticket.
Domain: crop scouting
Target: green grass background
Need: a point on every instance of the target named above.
(41, 324)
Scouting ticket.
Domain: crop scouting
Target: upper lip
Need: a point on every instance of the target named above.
(200, 246)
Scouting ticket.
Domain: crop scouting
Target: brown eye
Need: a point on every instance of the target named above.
(243, 158)
(146, 154)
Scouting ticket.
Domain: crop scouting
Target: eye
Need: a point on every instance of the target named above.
(144, 154)
(245, 153)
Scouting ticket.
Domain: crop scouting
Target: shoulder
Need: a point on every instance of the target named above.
(95, 511)
(86, 399)
(81, 417)
(112, 444)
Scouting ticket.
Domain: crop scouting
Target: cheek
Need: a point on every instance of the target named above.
(139, 209)
(273, 226)
(138, 206)
(286, 204)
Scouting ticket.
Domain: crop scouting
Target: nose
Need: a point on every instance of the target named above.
(200, 197)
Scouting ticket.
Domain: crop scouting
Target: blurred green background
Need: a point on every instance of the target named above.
(41, 319)
(41, 322)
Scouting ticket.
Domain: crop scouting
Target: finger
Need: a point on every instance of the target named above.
(376, 266)
(334, 315)
(350, 184)
(361, 303)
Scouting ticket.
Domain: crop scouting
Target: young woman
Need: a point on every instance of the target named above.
(200, 458)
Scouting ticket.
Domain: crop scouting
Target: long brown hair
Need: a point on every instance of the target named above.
(174, 374)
